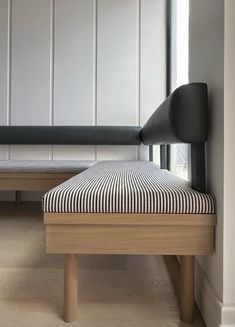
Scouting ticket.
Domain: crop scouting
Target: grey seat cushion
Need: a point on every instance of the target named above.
(44, 166)
(126, 187)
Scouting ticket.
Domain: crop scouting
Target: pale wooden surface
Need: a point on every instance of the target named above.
(130, 219)
(174, 234)
(113, 290)
(102, 239)
(31, 181)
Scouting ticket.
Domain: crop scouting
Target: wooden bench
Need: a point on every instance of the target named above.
(136, 208)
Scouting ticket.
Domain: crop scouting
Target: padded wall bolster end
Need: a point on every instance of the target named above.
(181, 118)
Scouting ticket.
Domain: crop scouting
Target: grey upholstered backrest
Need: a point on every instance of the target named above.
(181, 118)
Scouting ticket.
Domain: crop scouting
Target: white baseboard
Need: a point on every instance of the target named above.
(228, 315)
(214, 312)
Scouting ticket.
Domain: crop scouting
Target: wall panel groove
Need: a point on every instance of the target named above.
(95, 66)
(52, 57)
(9, 41)
(5, 64)
(139, 74)
(52, 77)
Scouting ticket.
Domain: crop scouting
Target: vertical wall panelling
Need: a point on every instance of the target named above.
(74, 70)
(30, 70)
(52, 57)
(73, 152)
(4, 60)
(152, 60)
(5, 50)
(30, 91)
(117, 60)
(80, 62)
(73, 63)
(124, 152)
(95, 46)
(5, 23)
(117, 64)
(153, 57)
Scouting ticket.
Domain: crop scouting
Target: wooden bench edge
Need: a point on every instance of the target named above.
(129, 219)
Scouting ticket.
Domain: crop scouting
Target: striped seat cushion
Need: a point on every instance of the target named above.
(126, 187)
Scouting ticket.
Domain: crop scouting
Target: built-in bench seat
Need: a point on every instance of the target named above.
(137, 208)
(130, 207)
(127, 187)
(38, 175)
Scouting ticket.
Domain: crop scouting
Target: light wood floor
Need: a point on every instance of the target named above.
(114, 291)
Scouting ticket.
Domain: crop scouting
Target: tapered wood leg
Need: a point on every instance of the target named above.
(187, 288)
(70, 287)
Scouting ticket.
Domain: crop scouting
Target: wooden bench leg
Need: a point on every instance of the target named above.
(70, 287)
(187, 288)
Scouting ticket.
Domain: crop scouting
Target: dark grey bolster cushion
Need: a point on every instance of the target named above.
(181, 118)
(83, 135)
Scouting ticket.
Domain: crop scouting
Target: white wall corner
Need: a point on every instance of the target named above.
(207, 300)
(228, 315)
(214, 312)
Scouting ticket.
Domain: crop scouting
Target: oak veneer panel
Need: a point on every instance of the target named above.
(34, 175)
(130, 219)
(31, 182)
(96, 239)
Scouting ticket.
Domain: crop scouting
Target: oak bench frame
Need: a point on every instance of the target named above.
(185, 235)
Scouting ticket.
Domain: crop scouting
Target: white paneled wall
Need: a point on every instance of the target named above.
(80, 62)
(74, 70)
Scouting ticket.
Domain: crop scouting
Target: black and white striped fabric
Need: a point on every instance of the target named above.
(126, 187)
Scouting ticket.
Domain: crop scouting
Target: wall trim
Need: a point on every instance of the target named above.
(214, 312)
(228, 315)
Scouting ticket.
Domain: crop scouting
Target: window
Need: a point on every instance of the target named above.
(179, 158)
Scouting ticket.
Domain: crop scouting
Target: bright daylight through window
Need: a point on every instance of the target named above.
(180, 152)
